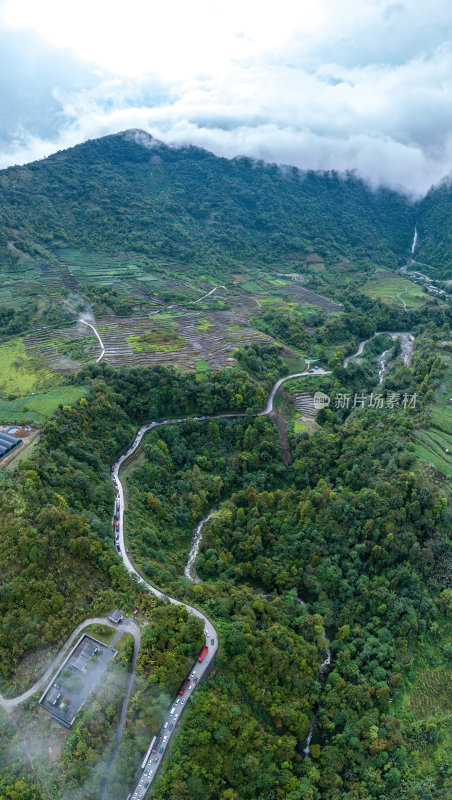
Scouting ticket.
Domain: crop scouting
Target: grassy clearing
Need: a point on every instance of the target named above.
(432, 692)
(299, 426)
(431, 457)
(156, 340)
(427, 685)
(442, 410)
(307, 311)
(251, 286)
(166, 319)
(295, 364)
(20, 374)
(8, 416)
(387, 288)
(202, 366)
(36, 408)
(101, 632)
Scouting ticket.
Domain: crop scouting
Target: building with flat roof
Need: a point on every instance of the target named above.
(53, 695)
(83, 653)
(76, 679)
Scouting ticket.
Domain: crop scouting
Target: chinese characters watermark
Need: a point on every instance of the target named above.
(391, 400)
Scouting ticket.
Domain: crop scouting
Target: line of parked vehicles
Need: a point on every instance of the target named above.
(116, 515)
(158, 744)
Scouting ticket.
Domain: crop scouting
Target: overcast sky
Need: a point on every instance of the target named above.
(322, 84)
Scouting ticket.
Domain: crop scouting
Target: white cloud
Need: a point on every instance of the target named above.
(330, 85)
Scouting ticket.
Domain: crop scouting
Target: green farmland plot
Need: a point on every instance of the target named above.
(431, 454)
(156, 340)
(36, 408)
(204, 325)
(393, 290)
(20, 374)
(202, 366)
(299, 427)
(434, 444)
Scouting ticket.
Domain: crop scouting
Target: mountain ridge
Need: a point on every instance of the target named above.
(131, 192)
(190, 205)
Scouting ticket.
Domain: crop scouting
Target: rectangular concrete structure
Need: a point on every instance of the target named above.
(76, 679)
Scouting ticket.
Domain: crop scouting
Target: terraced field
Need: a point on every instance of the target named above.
(434, 444)
(268, 288)
(212, 342)
(207, 329)
(131, 275)
(195, 335)
(304, 403)
(50, 344)
(34, 278)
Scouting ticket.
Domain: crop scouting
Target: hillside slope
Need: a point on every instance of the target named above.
(128, 192)
(434, 215)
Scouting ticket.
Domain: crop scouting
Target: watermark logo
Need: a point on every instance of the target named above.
(390, 400)
(375, 400)
(321, 400)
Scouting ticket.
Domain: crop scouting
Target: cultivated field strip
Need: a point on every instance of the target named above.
(295, 291)
(304, 403)
(43, 344)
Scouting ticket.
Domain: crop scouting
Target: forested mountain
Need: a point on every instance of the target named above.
(130, 192)
(328, 539)
(434, 214)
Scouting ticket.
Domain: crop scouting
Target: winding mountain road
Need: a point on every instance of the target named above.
(150, 766)
(151, 763)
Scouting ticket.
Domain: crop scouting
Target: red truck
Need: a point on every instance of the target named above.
(185, 684)
(203, 653)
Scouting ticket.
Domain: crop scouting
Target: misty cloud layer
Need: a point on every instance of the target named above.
(365, 87)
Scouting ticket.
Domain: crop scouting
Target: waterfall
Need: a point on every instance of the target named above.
(323, 673)
(189, 570)
(307, 749)
(382, 364)
(414, 245)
